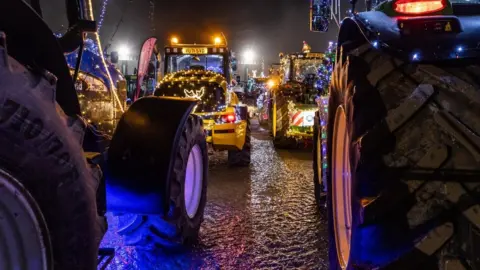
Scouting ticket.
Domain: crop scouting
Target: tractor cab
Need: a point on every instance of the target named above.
(214, 57)
(299, 72)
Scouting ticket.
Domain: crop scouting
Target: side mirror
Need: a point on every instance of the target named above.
(320, 13)
(114, 57)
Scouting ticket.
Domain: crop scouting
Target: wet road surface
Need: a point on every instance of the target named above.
(261, 217)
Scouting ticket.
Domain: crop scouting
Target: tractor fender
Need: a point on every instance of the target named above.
(384, 33)
(141, 154)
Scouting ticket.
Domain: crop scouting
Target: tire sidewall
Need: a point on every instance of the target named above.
(332, 249)
(344, 100)
(57, 175)
(197, 137)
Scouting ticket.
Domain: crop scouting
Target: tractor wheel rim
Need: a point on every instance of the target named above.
(24, 240)
(193, 181)
(319, 157)
(341, 185)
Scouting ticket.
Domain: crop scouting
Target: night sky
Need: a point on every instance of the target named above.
(266, 26)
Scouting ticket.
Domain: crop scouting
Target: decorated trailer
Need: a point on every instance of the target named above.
(58, 178)
(403, 136)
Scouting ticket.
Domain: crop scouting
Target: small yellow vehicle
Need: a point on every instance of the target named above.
(200, 72)
(225, 121)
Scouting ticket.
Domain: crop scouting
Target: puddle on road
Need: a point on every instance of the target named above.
(262, 217)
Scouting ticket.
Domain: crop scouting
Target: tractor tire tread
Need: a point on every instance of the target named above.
(399, 124)
(42, 148)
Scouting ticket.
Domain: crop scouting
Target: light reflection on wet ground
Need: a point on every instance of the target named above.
(262, 217)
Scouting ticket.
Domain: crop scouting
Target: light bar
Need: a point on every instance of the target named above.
(217, 41)
(417, 7)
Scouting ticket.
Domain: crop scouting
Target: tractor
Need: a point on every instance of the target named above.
(59, 175)
(290, 103)
(203, 72)
(403, 136)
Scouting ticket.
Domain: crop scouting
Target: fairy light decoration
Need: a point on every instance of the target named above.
(196, 94)
(102, 14)
(102, 57)
(94, 107)
(325, 74)
(323, 113)
(198, 84)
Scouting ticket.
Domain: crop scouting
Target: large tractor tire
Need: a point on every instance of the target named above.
(318, 171)
(280, 122)
(242, 157)
(188, 196)
(391, 124)
(48, 211)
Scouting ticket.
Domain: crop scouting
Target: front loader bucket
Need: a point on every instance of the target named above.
(140, 157)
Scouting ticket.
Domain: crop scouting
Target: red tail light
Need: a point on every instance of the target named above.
(418, 7)
(229, 118)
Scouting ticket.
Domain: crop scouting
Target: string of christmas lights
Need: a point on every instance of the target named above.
(102, 14)
(151, 15)
(323, 112)
(196, 94)
(105, 66)
(326, 69)
(325, 74)
(203, 85)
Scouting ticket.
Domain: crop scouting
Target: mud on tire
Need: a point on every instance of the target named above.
(41, 148)
(177, 228)
(400, 117)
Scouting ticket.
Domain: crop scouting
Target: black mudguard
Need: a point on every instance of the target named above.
(141, 154)
(383, 31)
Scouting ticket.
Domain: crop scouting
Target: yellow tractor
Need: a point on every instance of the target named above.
(225, 121)
(201, 72)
